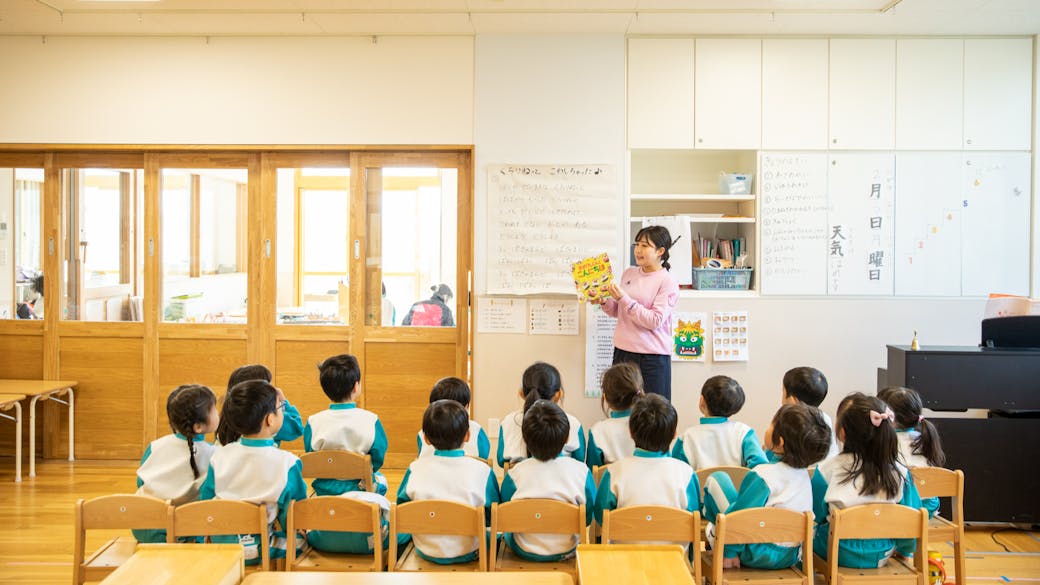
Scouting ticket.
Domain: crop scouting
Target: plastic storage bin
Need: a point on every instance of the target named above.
(735, 183)
(722, 278)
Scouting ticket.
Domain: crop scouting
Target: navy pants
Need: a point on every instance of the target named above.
(656, 370)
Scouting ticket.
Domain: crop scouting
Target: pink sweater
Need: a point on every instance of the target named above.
(644, 313)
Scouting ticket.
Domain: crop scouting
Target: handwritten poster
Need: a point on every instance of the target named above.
(794, 223)
(599, 348)
(541, 218)
(688, 339)
(861, 224)
(730, 339)
(495, 315)
(553, 317)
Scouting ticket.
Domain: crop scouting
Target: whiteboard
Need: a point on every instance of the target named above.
(928, 223)
(860, 243)
(794, 223)
(995, 207)
(541, 218)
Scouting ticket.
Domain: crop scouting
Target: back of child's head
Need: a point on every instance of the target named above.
(653, 423)
(338, 376)
(545, 429)
(806, 384)
(445, 424)
(805, 433)
(870, 437)
(622, 386)
(451, 388)
(722, 395)
(249, 372)
(541, 381)
(906, 405)
(246, 405)
(187, 406)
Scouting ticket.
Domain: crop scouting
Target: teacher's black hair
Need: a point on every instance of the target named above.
(659, 236)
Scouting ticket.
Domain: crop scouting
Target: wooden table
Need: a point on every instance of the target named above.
(632, 564)
(8, 402)
(423, 578)
(193, 564)
(43, 390)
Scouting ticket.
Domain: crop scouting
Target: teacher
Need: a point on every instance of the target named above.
(643, 306)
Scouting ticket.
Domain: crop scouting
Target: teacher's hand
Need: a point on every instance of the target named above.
(597, 301)
(615, 291)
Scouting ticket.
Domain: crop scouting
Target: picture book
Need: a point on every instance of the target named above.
(592, 277)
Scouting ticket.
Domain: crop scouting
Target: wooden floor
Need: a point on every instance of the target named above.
(36, 531)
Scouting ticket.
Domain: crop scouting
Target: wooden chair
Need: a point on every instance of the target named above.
(759, 525)
(936, 482)
(735, 473)
(538, 516)
(339, 464)
(115, 512)
(339, 514)
(655, 524)
(877, 521)
(225, 517)
(596, 529)
(436, 517)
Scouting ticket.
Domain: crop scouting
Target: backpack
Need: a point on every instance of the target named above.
(425, 314)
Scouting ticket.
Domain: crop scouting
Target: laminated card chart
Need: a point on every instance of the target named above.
(501, 315)
(730, 340)
(794, 224)
(553, 317)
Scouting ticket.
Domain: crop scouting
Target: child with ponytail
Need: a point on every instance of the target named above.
(610, 439)
(541, 381)
(866, 471)
(919, 444)
(170, 467)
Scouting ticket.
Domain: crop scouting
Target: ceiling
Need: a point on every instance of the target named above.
(469, 17)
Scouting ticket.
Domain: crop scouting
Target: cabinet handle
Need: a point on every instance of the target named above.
(700, 140)
(968, 141)
(834, 140)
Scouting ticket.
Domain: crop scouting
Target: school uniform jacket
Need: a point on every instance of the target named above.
(511, 439)
(449, 475)
(258, 472)
(831, 491)
(718, 441)
(477, 446)
(346, 427)
(610, 439)
(910, 459)
(165, 473)
(770, 485)
(648, 479)
(292, 425)
(562, 479)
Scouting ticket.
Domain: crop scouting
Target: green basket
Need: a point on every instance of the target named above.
(722, 278)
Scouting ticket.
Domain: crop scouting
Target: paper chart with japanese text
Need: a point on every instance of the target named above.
(730, 339)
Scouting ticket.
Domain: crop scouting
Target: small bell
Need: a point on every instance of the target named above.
(914, 346)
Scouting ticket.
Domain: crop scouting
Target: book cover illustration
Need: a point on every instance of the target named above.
(592, 277)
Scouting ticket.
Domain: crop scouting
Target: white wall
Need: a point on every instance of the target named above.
(399, 90)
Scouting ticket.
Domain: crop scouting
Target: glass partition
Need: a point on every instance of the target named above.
(21, 258)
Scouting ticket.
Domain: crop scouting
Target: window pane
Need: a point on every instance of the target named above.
(102, 209)
(21, 263)
(411, 247)
(313, 231)
(204, 230)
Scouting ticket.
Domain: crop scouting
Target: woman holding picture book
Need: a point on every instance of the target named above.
(643, 302)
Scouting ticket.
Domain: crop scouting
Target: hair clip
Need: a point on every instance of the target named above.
(876, 418)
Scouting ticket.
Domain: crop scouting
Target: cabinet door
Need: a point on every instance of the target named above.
(929, 93)
(995, 240)
(794, 94)
(998, 91)
(728, 103)
(660, 93)
(863, 93)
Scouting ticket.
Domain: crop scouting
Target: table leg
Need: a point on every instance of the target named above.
(72, 422)
(18, 442)
(32, 435)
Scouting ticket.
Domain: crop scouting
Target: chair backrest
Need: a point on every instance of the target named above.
(438, 517)
(938, 482)
(339, 464)
(597, 473)
(757, 525)
(538, 516)
(222, 517)
(880, 520)
(117, 512)
(651, 523)
(335, 513)
(736, 474)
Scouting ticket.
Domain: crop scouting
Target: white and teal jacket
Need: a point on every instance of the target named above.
(562, 479)
(906, 451)
(610, 440)
(258, 472)
(165, 473)
(346, 427)
(769, 485)
(511, 439)
(477, 446)
(648, 479)
(292, 425)
(717, 442)
(449, 475)
(830, 490)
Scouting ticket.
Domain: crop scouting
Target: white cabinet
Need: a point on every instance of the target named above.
(998, 75)
(728, 101)
(929, 93)
(660, 93)
(794, 94)
(862, 93)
